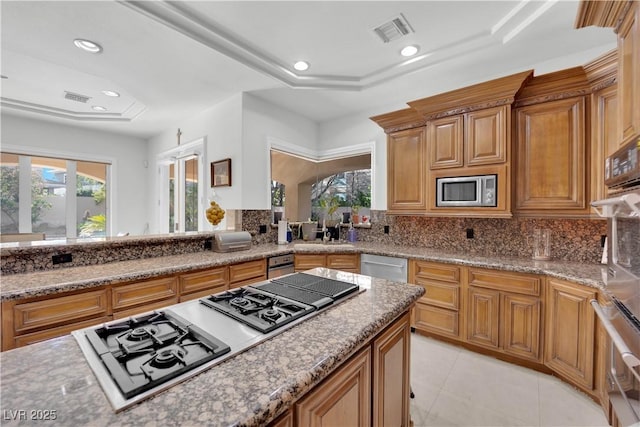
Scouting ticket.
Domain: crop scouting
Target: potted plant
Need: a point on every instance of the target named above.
(355, 218)
(330, 205)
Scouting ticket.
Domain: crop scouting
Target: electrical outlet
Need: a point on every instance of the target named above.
(603, 240)
(60, 259)
(208, 244)
(470, 233)
(263, 229)
(386, 229)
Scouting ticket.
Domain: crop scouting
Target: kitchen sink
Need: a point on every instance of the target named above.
(321, 245)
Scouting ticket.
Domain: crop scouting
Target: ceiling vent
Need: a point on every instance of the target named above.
(393, 29)
(76, 97)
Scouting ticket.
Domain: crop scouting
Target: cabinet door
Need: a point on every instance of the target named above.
(391, 375)
(303, 262)
(550, 167)
(247, 272)
(629, 74)
(483, 317)
(407, 172)
(445, 142)
(569, 340)
(345, 262)
(486, 136)
(521, 326)
(343, 399)
(605, 139)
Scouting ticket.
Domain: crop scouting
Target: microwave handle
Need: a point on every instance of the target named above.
(630, 359)
(631, 199)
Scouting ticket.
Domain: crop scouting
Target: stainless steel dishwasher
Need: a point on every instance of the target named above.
(384, 267)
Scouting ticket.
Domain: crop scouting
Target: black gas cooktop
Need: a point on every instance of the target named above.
(142, 352)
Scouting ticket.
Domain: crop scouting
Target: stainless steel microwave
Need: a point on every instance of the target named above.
(467, 191)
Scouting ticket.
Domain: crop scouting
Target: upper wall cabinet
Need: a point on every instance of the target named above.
(624, 18)
(551, 151)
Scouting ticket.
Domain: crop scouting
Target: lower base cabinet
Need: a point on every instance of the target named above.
(370, 389)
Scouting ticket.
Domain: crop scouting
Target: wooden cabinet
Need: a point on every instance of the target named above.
(550, 159)
(391, 387)
(438, 311)
(604, 136)
(476, 138)
(343, 399)
(36, 319)
(569, 340)
(504, 312)
(138, 297)
(203, 283)
(407, 190)
(248, 272)
(629, 74)
(344, 262)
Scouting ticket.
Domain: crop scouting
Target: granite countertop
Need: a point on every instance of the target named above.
(16, 286)
(250, 389)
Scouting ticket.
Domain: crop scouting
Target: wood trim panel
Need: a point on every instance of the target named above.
(391, 388)
(34, 337)
(399, 120)
(247, 271)
(217, 278)
(522, 283)
(147, 291)
(629, 75)
(600, 13)
(56, 311)
(284, 420)
(343, 399)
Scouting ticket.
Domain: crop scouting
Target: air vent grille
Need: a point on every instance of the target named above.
(393, 29)
(76, 97)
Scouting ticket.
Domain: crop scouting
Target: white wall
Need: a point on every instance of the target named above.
(261, 122)
(127, 154)
(221, 126)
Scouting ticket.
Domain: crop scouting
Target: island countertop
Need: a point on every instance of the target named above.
(252, 388)
(25, 285)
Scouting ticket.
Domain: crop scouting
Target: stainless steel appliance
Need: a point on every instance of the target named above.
(621, 318)
(230, 241)
(384, 267)
(280, 265)
(467, 191)
(622, 168)
(138, 357)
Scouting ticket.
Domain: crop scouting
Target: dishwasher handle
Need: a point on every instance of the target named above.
(384, 264)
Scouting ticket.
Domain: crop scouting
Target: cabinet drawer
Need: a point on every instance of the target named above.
(247, 271)
(148, 291)
(520, 283)
(217, 278)
(34, 337)
(56, 311)
(435, 271)
(440, 294)
(309, 261)
(437, 320)
(158, 305)
(343, 261)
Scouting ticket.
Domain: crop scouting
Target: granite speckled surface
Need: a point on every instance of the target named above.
(54, 281)
(247, 390)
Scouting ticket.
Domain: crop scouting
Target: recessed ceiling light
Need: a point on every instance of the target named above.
(88, 45)
(301, 66)
(409, 50)
(99, 108)
(111, 93)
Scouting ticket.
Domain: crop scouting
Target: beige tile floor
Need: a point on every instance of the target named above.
(457, 387)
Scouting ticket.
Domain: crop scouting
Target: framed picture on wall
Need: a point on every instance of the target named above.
(221, 173)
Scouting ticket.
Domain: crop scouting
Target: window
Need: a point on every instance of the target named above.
(61, 198)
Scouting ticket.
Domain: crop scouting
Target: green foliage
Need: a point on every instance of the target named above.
(329, 205)
(94, 224)
(9, 181)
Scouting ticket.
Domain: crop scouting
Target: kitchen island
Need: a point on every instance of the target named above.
(52, 380)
